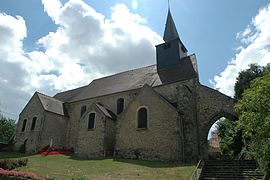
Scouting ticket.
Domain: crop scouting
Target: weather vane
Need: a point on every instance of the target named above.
(169, 4)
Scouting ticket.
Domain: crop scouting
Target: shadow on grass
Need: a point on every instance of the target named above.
(154, 164)
(145, 163)
(77, 158)
(11, 155)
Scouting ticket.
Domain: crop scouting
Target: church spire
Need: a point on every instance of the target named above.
(170, 29)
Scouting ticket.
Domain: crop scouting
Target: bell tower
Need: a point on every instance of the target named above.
(170, 53)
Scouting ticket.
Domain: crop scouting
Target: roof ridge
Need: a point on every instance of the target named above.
(124, 72)
(43, 94)
(39, 93)
(71, 90)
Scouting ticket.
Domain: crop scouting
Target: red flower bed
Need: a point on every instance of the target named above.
(17, 174)
(47, 150)
(12, 174)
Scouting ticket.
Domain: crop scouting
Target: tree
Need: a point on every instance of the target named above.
(245, 77)
(254, 119)
(230, 140)
(7, 129)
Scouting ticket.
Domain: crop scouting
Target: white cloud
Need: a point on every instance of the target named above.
(12, 72)
(85, 46)
(134, 4)
(255, 48)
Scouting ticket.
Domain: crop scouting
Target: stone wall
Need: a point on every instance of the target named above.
(54, 128)
(159, 140)
(180, 115)
(211, 106)
(110, 133)
(109, 102)
(183, 95)
(31, 137)
(90, 142)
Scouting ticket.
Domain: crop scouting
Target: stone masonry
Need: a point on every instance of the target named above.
(165, 113)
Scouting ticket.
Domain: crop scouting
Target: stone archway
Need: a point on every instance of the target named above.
(212, 105)
(206, 128)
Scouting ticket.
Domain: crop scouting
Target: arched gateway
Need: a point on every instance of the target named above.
(158, 112)
(213, 106)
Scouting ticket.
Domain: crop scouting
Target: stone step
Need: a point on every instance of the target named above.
(231, 163)
(234, 174)
(229, 178)
(230, 175)
(230, 169)
(230, 172)
(220, 166)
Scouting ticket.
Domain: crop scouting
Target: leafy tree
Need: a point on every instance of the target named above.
(254, 120)
(7, 129)
(230, 140)
(245, 77)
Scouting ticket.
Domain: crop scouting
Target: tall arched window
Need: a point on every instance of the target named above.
(83, 110)
(142, 118)
(91, 120)
(120, 105)
(34, 120)
(24, 125)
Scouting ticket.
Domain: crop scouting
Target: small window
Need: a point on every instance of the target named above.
(83, 110)
(91, 120)
(142, 118)
(33, 123)
(120, 105)
(24, 125)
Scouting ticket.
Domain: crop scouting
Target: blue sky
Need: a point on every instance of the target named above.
(218, 32)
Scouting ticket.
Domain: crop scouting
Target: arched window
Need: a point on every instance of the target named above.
(34, 120)
(142, 118)
(24, 125)
(91, 120)
(120, 105)
(83, 110)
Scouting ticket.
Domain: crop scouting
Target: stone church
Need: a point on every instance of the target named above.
(158, 112)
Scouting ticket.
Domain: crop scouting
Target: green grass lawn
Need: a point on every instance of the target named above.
(70, 167)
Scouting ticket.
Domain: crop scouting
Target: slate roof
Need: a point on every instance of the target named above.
(133, 79)
(51, 104)
(128, 80)
(170, 32)
(106, 111)
(69, 96)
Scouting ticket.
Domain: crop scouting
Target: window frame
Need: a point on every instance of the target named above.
(123, 105)
(24, 125)
(88, 120)
(33, 127)
(81, 114)
(147, 118)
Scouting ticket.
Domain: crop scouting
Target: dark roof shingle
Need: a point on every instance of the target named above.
(51, 104)
(129, 80)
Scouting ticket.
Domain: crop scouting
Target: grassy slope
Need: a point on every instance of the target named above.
(68, 167)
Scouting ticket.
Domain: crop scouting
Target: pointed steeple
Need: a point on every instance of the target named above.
(171, 53)
(170, 29)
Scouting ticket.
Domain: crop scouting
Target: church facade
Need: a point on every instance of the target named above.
(158, 112)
